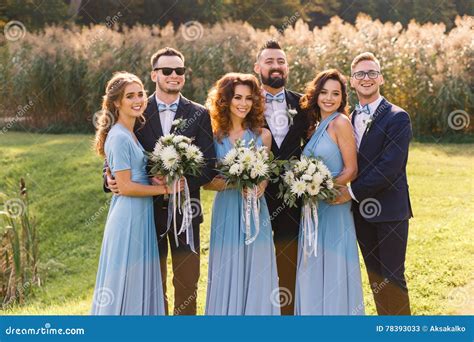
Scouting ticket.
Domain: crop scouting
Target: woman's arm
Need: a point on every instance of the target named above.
(217, 184)
(347, 145)
(126, 187)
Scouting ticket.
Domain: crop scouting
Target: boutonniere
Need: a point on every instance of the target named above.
(369, 122)
(179, 124)
(291, 113)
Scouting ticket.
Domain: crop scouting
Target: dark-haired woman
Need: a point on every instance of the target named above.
(242, 278)
(128, 279)
(330, 282)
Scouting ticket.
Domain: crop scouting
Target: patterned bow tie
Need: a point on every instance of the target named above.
(278, 98)
(362, 109)
(172, 107)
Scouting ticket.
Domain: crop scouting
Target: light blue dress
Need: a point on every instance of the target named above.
(330, 283)
(129, 278)
(243, 279)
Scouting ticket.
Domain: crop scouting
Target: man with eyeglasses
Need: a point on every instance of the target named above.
(164, 106)
(381, 202)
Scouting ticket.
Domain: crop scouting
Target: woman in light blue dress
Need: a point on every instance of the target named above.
(330, 282)
(128, 279)
(242, 277)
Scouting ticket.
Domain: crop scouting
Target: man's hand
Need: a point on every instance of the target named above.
(344, 196)
(111, 182)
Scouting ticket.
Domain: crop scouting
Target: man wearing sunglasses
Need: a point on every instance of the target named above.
(381, 203)
(164, 106)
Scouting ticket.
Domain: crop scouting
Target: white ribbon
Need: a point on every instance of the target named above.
(310, 230)
(251, 203)
(187, 214)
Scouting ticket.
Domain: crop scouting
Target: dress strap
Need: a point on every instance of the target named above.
(323, 125)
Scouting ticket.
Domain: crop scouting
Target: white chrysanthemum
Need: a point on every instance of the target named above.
(177, 139)
(156, 155)
(167, 138)
(235, 169)
(307, 178)
(262, 151)
(318, 178)
(323, 169)
(194, 153)
(183, 145)
(298, 187)
(302, 165)
(230, 157)
(289, 177)
(253, 174)
(261, 169)
(247, 157)
(170, 157)
(330, 183)
(311, 169)
(313, 189)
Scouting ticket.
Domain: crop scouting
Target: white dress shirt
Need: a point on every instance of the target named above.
(166, 116)
(360, 125)
(361, 119)
(277, 118)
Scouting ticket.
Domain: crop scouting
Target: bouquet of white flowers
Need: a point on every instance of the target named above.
(246, 167)
(308, 179)
(174, 156)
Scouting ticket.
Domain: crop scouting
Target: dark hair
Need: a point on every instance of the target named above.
(269, 44)
(220, 97)
(309, 101)
(167, 51)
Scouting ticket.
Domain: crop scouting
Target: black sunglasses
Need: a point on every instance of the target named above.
(168, 71)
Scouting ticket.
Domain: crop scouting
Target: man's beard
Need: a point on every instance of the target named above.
(274, 82)
(166, 90)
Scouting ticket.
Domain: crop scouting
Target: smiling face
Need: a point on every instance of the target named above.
(133, 102)
(272, 68)
(241, 102)
(368, 90)
(330, 97)
(172, 84)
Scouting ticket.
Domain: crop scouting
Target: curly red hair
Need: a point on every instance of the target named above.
(220, 97)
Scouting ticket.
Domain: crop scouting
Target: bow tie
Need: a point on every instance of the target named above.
(172, 107)
(279, 98)
(362, 109)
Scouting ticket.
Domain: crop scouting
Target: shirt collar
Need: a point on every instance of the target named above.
(373, 105)
(158, 101)
(280, 92)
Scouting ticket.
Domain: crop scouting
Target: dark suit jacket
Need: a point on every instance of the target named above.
(382, 160)
(198, 127)
(292, 146)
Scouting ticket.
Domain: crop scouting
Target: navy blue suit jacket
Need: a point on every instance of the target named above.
(382, 160)
(198, 127)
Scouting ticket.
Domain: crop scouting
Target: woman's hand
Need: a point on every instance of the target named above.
(260, 189)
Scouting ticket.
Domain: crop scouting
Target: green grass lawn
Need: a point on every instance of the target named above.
(63, 176)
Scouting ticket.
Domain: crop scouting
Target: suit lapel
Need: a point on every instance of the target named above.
(291, 103)
(383, 107)
(153, 116)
